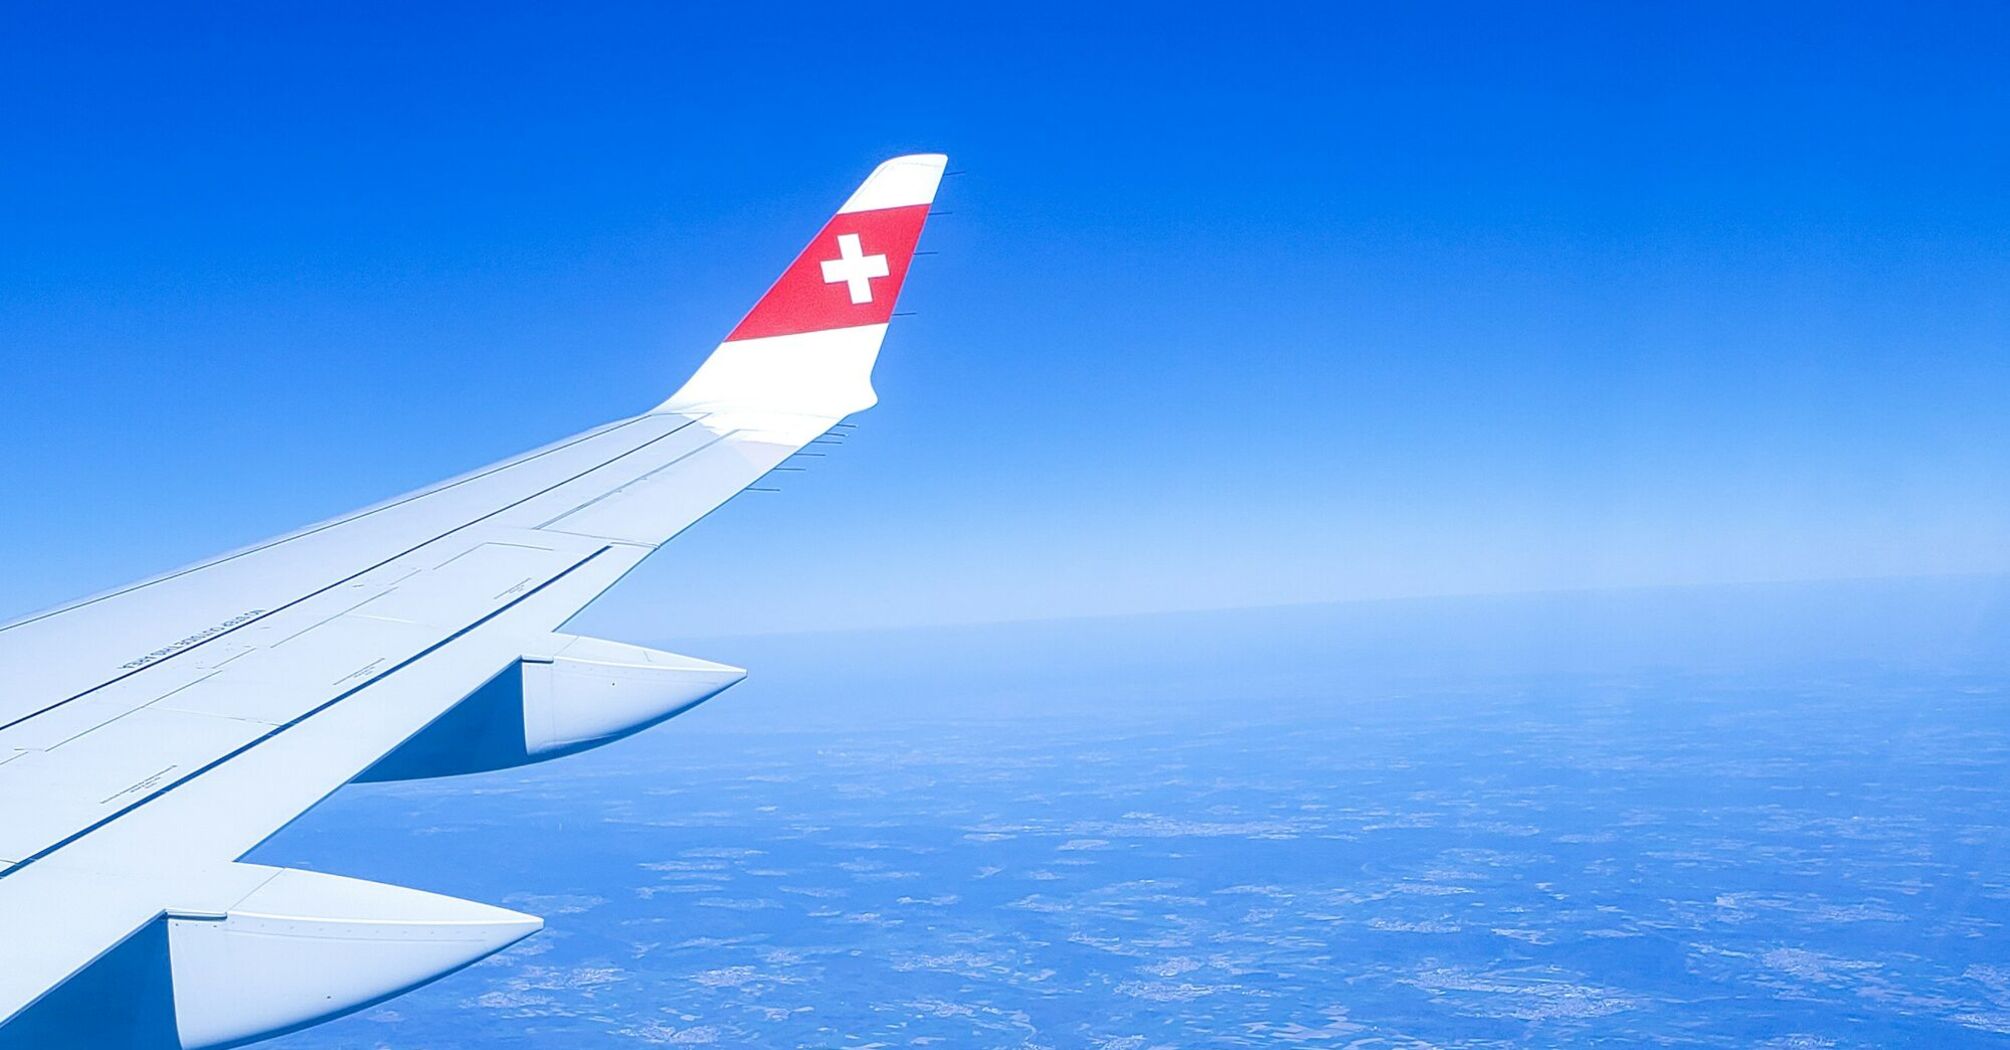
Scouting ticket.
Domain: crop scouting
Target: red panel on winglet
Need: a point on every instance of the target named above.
(848, 276)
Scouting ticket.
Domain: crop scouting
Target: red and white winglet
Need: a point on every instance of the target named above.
(808, 346)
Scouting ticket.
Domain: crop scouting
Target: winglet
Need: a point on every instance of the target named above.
(902, 182)
(809, 344)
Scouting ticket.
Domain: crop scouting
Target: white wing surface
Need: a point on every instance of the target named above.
(152, 735)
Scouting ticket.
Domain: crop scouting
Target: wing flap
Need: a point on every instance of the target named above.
(299, 664)
(50, 794)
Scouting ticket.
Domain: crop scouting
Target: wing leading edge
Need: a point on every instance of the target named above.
(153, 735)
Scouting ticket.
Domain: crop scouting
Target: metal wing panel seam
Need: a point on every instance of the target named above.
(266, 614)
(445, 486)
(276, 730)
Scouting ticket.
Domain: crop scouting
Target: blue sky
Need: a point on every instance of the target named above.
(1303, 304)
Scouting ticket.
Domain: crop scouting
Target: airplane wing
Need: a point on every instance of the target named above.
(152, 735)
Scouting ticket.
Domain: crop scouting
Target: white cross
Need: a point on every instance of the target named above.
(854, 268)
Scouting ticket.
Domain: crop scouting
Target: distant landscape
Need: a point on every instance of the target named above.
(1767, 815)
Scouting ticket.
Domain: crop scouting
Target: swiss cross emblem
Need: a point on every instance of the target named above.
(854, 269)
(848, 276)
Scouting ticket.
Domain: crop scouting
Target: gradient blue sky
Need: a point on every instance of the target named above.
(1233, 307)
